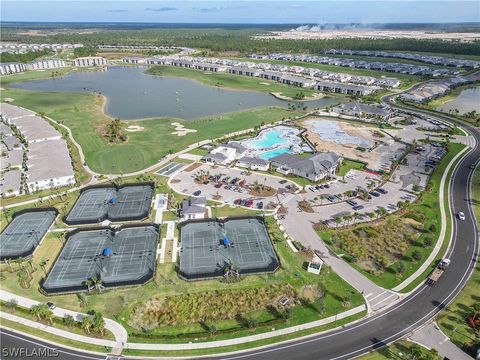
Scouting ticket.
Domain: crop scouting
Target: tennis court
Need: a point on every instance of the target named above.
(209, 247)
(117, 257)
(24, 233)
(169, 169)
(97, 204)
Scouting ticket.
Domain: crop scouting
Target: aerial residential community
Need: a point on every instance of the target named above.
(203, 179)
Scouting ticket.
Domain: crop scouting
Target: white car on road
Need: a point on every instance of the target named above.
(461, 215)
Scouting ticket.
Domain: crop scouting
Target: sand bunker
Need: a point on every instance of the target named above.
(181, 130)
(134, 128)
(264, 83)
(8, 100)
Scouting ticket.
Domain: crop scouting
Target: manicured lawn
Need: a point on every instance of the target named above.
(401, 350)
(233, 211)
(427, 208)
(245, 345)
(225, 80)
(54, 338)
(83, 115)
(348, 165)
(452, 320)
(118, 303)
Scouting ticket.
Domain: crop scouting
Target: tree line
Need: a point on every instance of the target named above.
(24, 58)
(219, 40)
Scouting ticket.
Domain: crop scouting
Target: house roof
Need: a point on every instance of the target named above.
(317, 163)
(253, 160)
(194, 205)
(215, 156)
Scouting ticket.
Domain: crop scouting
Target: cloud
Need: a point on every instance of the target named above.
(221, 8)
(117, 11)
(164, 8)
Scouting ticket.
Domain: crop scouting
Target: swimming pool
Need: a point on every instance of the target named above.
(275, 141)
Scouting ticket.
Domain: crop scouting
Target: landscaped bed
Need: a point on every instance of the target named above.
(398, 250)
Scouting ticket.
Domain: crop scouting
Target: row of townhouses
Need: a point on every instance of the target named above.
(34, 154)
(45, 64)
(429, 59)
(294, 76)
(15, 48)
(401, 68)
(435, 88)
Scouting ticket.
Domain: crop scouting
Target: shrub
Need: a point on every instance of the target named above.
(416, 255)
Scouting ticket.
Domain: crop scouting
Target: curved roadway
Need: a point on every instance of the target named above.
(390, 325)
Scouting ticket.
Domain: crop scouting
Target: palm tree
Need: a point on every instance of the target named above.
(86, 324)
(8, 262)
(42, 265)
(88, 283)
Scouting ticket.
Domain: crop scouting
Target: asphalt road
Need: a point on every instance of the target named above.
(385, 327)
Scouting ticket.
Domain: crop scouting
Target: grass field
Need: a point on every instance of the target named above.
(83, 114)
(452, 320)
(348, 165)
(230, 81)
(402, 350)
(54, 338)
(425, 211)
(119, 303)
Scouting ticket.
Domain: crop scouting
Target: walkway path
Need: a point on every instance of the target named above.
(246, 339)
(115, 328)
(299, 226)
(431, 337)
(443, 229)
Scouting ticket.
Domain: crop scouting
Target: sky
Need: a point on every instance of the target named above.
(242, 11)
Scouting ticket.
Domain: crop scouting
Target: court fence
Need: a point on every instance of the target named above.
(149, 276)
(220, 272)
(105, 216)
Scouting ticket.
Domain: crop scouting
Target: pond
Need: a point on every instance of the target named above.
(132, 94)
(468, 100)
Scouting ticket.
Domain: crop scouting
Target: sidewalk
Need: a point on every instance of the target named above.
(246, 339)
(56, 331)
(431, 337)
(443, 228)
(115, 328)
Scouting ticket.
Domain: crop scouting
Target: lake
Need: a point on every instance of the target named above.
(132, 94)
(468, 100)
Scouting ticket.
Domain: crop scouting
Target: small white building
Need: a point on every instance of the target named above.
(90, 61)
(193, 208)
(315, 265)
(226, 153)
(253, 163)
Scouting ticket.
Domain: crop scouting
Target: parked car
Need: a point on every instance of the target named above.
(260, 205)
(283, 182)
(51, 305)
(358, 207)
(218, 186)
(197, 193)
(382, 191)
(206, 182)
(374, 193)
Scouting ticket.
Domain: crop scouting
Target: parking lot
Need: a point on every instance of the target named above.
(411, 175)
(231, 185)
